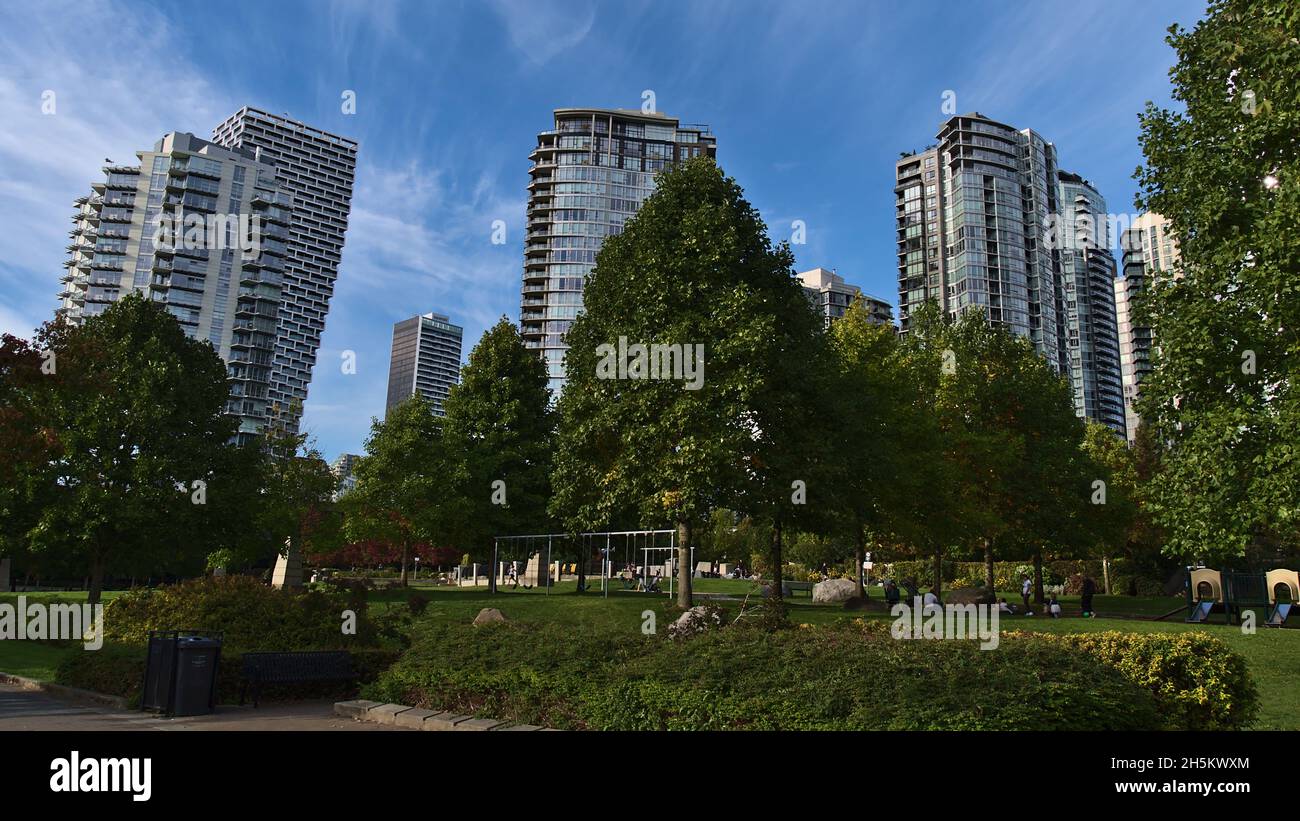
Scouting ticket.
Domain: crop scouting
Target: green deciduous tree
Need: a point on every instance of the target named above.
(135, 416)
(25, 440)
(401, 490)
(693, 269)
(1223, 399)
(296, 509)
(874, 408)
(1009, 439)
(497, 439)
(1121, 525)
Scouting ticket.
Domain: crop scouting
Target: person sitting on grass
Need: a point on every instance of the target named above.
(1054, 607)
(891, 593)
(1003, 607)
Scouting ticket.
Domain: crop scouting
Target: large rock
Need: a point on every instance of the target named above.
(834, 590)
(489, 615)
(969, 595)
(696, 620)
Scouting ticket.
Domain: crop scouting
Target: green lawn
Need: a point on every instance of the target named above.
(1273, 656)
(33, 659)
(78, 596)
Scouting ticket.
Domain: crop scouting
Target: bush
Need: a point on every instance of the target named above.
(250, 615)
(846, 677)
(921, 571)
(1007, 575)
(1197, 682)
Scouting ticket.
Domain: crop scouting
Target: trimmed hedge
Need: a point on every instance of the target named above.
(1197, 682)
(846, 677)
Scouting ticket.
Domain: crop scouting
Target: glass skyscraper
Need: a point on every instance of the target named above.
(986, 221)
(1092, 352)
(316, 168)
(219, 282)
(590, 173)
(970, 210)
(1148, 246)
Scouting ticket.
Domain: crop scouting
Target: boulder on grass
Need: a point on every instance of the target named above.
(695, 621)
(489, 615)
(833, 591)
(969, 595)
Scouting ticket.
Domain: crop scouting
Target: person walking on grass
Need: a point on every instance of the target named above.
(1085, 599)
(1025, 587)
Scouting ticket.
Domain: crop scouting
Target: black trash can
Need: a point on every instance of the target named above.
(180, 676)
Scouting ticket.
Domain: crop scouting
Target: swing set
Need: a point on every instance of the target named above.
(651, 544)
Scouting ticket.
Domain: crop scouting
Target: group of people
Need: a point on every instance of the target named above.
(1087, 590)
(631, 578)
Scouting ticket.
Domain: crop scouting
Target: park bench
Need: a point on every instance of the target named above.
(793, 586)
(293, 668)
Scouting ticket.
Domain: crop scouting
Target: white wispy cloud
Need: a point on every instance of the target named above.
(110, 106)
(542, 29)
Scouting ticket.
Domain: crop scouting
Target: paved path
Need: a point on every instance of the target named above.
(22, 709)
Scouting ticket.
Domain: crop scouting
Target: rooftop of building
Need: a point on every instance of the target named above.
(297, 125)
(636, 114)
(826, 278)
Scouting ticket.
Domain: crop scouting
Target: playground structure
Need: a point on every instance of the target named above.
(1212, 591)
(598, 552)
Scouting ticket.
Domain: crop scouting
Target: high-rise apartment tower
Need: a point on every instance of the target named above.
(317, 169)
(591, 171)
(200, 229)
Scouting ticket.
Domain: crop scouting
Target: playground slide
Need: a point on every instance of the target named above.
(1278, 617)
(1200, 611)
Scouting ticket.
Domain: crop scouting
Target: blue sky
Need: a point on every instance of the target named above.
(811, 102)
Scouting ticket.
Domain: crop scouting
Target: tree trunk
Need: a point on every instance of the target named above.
(1038, 576)
(684, 570)
(585, 554)
(96, 579)
(775, 559)
(862, 558)
(938, 572)
(405, 551)
(1105, 573)
(990, 580)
